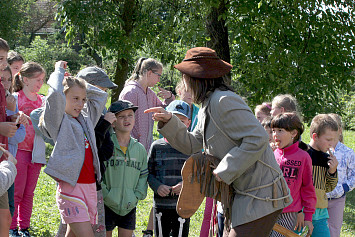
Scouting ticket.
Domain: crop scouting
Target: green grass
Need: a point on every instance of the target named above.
(45, 218)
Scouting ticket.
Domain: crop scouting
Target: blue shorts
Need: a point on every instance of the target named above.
(126, 222)
(321, 228)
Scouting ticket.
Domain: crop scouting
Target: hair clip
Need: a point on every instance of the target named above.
(268, 106)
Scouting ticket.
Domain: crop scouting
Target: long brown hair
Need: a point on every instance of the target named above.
(200, 87)
(29, 69)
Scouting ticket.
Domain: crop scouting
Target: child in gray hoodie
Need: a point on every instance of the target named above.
(71, 112)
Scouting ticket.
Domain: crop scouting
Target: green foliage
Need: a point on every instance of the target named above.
(348, 111)
(121, 30)
(47, 52)
(11, 18)
(300, 47)
(21, 19)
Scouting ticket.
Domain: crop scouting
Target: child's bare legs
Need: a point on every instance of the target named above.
(78, 229)
(121, 233)
(108, 233)
(124, 232)
(151, 220)
(5, 221)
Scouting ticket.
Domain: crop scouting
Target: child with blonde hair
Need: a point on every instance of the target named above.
(71, 112)
(27, 83)
(284, 103)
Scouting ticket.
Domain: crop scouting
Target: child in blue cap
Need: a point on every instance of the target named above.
(164, 165)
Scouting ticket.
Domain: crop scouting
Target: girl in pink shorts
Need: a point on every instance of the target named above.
(71, 112)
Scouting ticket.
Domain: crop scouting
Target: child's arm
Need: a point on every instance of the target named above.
(142, 185)
(176, 189)
(21, 131)
(19, 136)
(10, 102)
(332, 174)
(167, 95)
(350, 173)
(308, 193)
(153, 182)
(35, 117)
(8, 129)
(102, 128)
(54, 109)
(104, 143)
(96, 100)
(7, 172)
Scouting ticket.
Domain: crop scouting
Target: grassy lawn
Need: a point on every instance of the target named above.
(45, 217)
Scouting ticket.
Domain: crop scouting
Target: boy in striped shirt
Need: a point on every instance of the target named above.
(323, 131)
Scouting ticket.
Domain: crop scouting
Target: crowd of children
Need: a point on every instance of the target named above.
(103, 160)
(318, 174)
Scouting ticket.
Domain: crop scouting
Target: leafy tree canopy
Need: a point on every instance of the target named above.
(300, 47)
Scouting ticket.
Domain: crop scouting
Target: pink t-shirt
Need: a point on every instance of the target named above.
(27, 106)
(296, 166)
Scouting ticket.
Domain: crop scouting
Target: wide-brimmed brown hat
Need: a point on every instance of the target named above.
(202, 62)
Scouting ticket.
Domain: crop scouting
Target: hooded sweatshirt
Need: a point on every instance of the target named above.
(296, 166)
(68, 133)
(125, 179)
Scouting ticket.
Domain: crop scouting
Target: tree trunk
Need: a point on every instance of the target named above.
(128, 16)
(218, 32)
(120, 77)
(95, 56)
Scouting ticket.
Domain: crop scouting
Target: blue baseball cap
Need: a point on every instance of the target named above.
(179, 107)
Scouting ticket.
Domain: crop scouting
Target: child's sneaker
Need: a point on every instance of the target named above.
(147, 233)
(14, 233)
(24, 233)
